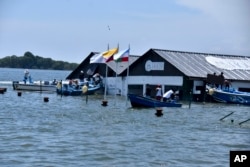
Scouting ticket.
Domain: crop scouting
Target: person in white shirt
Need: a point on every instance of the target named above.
(167, 95)
(26, 75)
(158, 93)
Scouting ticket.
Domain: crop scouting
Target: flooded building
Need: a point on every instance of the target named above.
(183, 72)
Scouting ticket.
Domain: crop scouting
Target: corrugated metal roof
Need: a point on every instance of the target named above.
(197, 65)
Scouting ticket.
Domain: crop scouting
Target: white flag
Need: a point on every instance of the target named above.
(97, 58)
(122, 56)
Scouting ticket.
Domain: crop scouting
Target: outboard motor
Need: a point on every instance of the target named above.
(14, 84)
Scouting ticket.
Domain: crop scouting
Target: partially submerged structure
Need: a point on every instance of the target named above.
(185, 72)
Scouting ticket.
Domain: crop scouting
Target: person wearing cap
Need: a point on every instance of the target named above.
(81, 76)
(26, 75)
(158, 93)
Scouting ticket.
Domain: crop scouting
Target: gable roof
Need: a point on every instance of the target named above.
(191, 64)
(194, 64)
(122, 66)
(84, 65)
(74, 74)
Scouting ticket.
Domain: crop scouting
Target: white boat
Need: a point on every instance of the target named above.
(35, 86)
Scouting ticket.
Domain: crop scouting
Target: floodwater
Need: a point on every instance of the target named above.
(75, 131)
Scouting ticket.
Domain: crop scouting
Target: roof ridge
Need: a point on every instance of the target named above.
(212, 54)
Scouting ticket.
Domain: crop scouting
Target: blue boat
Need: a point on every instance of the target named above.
(73, 90)
(146, 102)
(229, 95)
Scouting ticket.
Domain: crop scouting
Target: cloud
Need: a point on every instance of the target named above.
(228, 21)
(224, 11)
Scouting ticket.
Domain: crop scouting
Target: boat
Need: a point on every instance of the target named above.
(28, 85)
(147, 102)
(35, 86)
(78, 90)
(229, 95)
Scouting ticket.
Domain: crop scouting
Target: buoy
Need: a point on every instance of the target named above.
(159, 112)
(104, 103)
(19, 93)
(2, 91)
(45, 99)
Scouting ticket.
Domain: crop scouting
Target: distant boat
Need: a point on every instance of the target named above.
(141, 101)
(229, 95)
(36, 86)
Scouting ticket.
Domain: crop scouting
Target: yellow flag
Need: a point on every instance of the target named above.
(109, 53)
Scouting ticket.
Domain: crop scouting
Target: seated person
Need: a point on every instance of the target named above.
(97, 78)
(54, 82)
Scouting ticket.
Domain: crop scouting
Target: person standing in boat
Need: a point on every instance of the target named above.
(148, 91)
(26, 75)
(81, 76)
(158, 93)
(222, 79)
(227, 84)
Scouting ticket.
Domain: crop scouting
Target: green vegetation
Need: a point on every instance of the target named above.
(28, 60)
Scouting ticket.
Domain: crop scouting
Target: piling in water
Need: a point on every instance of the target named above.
(104, 103)
(190, 99)
(46, 99)
(2, 90)
(158, 112)
(19, 93)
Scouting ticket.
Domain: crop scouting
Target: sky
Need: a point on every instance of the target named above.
(69, 30)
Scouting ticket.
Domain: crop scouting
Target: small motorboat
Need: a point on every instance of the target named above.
(141, 101)
(229, 95)
(35, 86)
(84, 88)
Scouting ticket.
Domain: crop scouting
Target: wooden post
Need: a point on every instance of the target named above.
(190, 98)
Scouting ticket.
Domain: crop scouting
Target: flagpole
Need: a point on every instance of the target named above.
(116, 64)
(115, 81)
(127, 77)
(104, 101)
(106, 82)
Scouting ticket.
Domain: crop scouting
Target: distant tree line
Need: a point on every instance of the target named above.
(29, 61)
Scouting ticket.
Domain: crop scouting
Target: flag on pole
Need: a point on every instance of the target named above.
(108, 55)
(122, 56)
(97, 58)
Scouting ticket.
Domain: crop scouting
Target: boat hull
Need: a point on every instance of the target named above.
(140, 101)
(66, 90)
(231, 97)
(34, 87)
